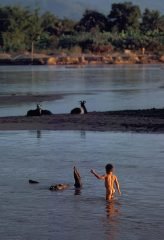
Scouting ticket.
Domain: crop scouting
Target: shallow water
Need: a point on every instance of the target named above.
(33, 212)
(104, 87)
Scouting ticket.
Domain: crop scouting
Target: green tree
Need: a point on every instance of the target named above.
(92, 20)
(151, 21)
(161, 24)
(55, 26)
(4, 19)
(124, 16)
(33, 30)
(13, 25)
(14, 41)
(50, 23)
(4, 23)
(68, 26)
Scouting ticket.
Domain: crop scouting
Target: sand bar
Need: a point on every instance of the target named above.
(17, 98)
(143, 121)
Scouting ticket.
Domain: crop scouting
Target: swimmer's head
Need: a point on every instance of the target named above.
(109, 168)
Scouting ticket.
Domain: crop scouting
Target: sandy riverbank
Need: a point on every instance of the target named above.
(146, 121)
(125, 57)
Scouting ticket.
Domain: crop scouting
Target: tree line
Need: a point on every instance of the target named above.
(125, 27)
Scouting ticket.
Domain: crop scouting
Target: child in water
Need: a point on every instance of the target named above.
(110, 181)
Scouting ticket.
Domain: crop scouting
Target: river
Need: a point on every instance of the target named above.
(33, 211)
(106, 87)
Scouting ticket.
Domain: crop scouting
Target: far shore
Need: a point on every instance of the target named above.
(125, 57)
(140, 121)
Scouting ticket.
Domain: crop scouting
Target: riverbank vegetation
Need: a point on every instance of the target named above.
(125, 27)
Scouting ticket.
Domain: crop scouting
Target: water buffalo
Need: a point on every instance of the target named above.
(81, 110)
(38, 112)
(62, 186)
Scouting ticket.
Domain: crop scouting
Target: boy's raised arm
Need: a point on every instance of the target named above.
(97, 175)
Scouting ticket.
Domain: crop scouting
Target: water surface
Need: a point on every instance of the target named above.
(33, 212)
(104, 87)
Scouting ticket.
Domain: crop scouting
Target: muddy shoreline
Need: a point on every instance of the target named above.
(143, 121)
(115, 57)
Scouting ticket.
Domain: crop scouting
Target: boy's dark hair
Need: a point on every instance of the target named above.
(109, 168)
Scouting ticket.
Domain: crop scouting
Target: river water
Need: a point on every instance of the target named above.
(103, 87)
(32, 211)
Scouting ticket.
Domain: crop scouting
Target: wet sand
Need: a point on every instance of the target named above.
(146, 121)
(17, 98)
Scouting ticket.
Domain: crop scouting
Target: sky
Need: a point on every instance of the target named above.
(74, 9)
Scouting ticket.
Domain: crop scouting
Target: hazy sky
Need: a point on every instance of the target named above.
(75, 8)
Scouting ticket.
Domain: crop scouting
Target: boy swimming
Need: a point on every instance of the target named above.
(110, 181)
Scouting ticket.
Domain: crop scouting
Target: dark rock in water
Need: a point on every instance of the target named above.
(33, 181)
(57, 187)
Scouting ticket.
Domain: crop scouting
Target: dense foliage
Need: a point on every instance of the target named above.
(124, 27)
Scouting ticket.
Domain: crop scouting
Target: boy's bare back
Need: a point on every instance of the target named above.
(111, 181)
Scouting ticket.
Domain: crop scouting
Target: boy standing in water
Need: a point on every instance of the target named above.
(110, 181)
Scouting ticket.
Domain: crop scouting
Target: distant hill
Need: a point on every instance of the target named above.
(75, 8)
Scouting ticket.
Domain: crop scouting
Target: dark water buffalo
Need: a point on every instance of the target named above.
(62, 186)
(38, 112)
(77, 178)
(46, 112)
(81, 110)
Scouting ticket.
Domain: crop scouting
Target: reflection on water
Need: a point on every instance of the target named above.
(39, 134)
(112, 209)
(83, 134)
(112, 213)
(103, 87)
(77, 191)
